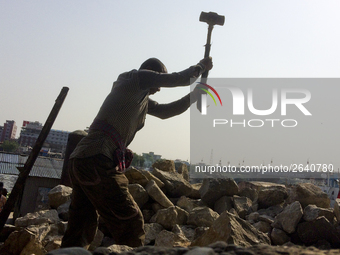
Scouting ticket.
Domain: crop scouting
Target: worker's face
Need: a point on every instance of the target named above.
(154, 90)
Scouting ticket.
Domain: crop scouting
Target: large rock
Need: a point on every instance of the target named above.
(195, 192)
(312, 212)
(183, 170)
(170, 216)
(151, 232)
(232, 230)
(169, 239)
(157, 194)
(175, 185)
(186, 230)
(213, 189)
(165, 165)
(202, 217)
(279, 237)
(263, 226)
(308, 193)
(59, 195)
(223, 204)
(289, 217)
(321, 229)
(63, 210)
(136, 176)
(37, 218)
(150, 177)
(188, 204)
(270, 196)
(139, 194)
(242, 205)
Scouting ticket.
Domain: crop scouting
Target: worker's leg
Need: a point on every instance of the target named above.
(115, 204)
(82, 224)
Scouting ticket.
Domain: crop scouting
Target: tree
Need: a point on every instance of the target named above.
(137, 161)
(9, 146)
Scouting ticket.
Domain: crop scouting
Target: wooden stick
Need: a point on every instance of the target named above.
(24, 171)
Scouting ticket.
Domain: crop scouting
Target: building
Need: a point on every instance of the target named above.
(56, 140)
(9, 131)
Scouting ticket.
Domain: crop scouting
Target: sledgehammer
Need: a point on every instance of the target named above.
(212, 18)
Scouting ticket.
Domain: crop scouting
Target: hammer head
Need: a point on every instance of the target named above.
(212, 18)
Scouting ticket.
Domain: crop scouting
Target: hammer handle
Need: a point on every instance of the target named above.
(207, 51)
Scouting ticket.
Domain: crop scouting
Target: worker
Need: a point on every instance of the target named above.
(97, 165)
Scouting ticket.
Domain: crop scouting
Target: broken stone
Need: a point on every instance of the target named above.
(272, 211)
(186, 230)
(320, 229)
(136, 176)
(63, 210)
(312, 212)
(232, 230)
(213, 189)
(37, 218)
(289, 217)
(266, 218)
(242, 205)
(308, 193)
(183, 170)
(147, 215)
(250, 193)
(201, 251)
(157, 194)
(150, 177)
(170, 216)
(202, 217)
(151, 232)
(139, 194)
(53, 243)
(195, 191)
(254, 216)
(169, 239)
(270, 196)
(262, 226)
(279, 237)
(188, 204)
(165, 165)
(175, 185)
(59, 195)
(223, 204)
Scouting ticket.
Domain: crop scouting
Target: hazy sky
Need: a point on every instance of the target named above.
(85, 45)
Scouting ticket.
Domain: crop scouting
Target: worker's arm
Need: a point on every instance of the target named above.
(150, 79)
(165, 111)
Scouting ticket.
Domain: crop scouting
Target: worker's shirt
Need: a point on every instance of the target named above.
(126, 106)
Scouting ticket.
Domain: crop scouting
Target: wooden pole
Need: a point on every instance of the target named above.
(25, 170)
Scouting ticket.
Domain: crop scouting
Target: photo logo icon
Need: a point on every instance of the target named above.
(204, 97)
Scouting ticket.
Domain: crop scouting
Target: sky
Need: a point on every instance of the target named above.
(85, 45)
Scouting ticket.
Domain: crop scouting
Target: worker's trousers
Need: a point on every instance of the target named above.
(99, 189)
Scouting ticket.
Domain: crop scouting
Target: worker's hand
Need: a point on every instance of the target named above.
(207, 62)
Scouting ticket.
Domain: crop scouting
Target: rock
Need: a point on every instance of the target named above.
(279, 237)
(270, 196)
(115, 248)
(151, 232)
(169, 217)
(254, 216)
(272, 211)
(150, 177)
(188, 204)
(63, 210)
(165, 165)
(183, 170)
(70, 251)
(213, 189)
(136, 176)
(170, 239)
(312, 212)
(195, 191)
(308, 193)
(187, 230)
(263, 226)
(157, 194)
(223, 204)
(242, 205)
(266, 218)
(320, 229)
(139, 194)
(175, 185)
(37, 218)
(156, 207)
(232, 230)
(17, 241)
(41, 231)
(59, 195)
(62, 226)
(233, 211)
(250, 193)
(202, 217)
(289, 217)
(201, 251)
(147, 215)
(53, 243)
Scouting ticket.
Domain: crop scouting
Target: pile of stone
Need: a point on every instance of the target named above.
(218, 215)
